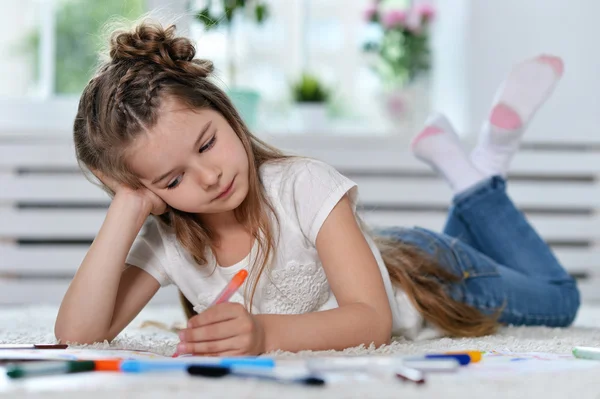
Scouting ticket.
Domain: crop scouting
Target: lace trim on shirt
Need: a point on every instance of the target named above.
(296, 288)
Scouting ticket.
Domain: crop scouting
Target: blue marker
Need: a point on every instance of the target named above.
(140, 366)
(463, 359)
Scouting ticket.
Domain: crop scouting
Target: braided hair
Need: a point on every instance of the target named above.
(146, 65)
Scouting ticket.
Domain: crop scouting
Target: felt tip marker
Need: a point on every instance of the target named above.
(474, 355)
(409, 374)
(231, 288)
(222, 371)
(143, 366)
(462, 358)
(583, 352)
(364, 363)
(35, 369)
(33, 346)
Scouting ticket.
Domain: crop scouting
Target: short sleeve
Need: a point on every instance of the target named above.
(148, 253)
(310, 190)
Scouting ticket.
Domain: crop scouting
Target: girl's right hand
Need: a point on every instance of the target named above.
(150, 201)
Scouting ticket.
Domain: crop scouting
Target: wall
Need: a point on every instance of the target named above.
(478, 41)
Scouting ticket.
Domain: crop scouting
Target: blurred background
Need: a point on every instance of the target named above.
(376, 67)
(347, 81)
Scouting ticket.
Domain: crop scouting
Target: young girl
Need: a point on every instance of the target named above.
(165, 141)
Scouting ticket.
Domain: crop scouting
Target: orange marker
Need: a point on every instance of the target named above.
(231, 288)
(107, 365)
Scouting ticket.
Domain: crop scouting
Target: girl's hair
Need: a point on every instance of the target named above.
(147, 64)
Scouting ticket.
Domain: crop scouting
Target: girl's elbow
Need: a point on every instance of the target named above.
(380, 338)
(385, 336)
(382, 333)
(77, 337)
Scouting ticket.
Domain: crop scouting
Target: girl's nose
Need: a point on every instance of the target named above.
(208, 176)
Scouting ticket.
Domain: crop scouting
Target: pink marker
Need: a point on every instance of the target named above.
(231, 288)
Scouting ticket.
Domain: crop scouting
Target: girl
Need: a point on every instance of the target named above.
(164, 140)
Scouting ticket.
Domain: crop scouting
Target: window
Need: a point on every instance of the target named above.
(52, 47)
(54, 44)
(321, 36)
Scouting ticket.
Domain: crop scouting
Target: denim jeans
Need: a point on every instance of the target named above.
(503, 262)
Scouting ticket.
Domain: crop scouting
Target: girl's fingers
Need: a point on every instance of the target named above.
(212, 347)
(212, 332)
(217, 314)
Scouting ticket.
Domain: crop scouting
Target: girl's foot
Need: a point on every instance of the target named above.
(439, 146)
(527, 87)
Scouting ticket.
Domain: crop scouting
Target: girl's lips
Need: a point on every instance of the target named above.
(227, 191)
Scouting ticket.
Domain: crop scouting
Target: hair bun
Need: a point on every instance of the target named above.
(151, 41)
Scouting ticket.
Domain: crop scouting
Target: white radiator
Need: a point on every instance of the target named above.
(49, 213)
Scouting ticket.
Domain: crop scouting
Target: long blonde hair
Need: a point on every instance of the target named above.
(149, 63)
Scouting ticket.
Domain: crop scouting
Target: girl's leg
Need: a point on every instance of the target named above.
(457, 228)
(439, 146)
(525, 90)
(484, 218)
(494, 223)
(504, 262)
(489, 286)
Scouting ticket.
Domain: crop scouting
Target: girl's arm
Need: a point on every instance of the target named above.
(364, 315)
(101, 299)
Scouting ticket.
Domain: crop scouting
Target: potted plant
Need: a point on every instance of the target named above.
(311, 97)
(222, 13)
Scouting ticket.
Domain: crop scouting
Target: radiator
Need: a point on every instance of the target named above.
(49, 213)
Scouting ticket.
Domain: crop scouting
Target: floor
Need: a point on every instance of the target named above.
(34, 324)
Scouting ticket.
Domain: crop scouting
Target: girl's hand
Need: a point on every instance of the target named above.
(149, 200)
(226, 329)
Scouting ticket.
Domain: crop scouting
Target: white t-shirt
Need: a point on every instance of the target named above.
(303, 192)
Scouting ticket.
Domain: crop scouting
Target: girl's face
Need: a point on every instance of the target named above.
(193, 160)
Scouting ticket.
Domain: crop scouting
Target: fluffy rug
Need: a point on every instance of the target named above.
(35, 324)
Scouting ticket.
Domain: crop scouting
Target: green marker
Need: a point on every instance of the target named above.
(34, 369)
(582, 352)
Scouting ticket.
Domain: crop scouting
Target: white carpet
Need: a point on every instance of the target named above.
(31, 324)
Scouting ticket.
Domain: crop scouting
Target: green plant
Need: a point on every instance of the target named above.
(308, 89)
(222, 13)
(214, 15)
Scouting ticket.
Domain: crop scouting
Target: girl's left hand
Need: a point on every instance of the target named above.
(226, 329)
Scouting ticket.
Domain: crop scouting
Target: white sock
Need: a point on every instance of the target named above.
(528, 85)
(439, 146)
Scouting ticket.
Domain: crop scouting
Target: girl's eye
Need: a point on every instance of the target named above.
(208, 145)
(174, 183)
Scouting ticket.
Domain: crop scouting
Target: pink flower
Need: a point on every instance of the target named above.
(426, 11)
(393, 19)
(370, 11)
(413, 21)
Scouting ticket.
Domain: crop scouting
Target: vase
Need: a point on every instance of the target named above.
(246, 103)
(313, 116)
(407, 106)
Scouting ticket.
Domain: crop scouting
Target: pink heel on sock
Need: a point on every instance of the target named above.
(505, 117)
(428, 131)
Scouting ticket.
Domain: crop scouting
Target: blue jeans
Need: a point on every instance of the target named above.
(503, 262)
